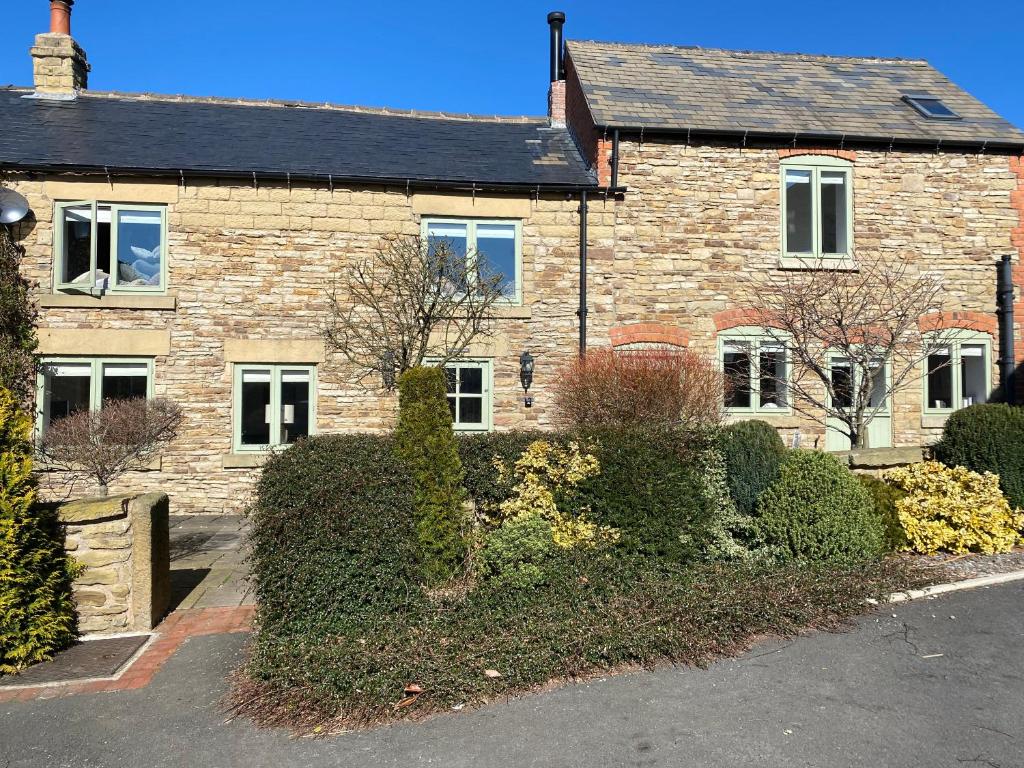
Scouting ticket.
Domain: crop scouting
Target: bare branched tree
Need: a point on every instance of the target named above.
(853, 337)
(410, 301)
(102, 445)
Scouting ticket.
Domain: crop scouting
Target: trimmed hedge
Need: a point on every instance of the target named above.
(425, 441)
(332, 534)
(753, 452)
(988, 437)
(37, 615)
(649, 486)
(818, 511)
(886, 497)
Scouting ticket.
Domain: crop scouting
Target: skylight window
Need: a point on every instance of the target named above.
(930, 107)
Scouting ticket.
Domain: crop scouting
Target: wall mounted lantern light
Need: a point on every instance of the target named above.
(526, 375)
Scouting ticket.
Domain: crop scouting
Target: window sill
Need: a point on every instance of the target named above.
(108, 301)
(934, 420)
(513, 312)
(741, 414)
(251, 460)
(155, 464)
(847, 264)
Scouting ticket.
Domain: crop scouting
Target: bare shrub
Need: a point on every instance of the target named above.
(102, 445)
(412, 300)
(615, 388)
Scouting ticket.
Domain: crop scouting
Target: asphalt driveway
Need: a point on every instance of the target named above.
(941, 684)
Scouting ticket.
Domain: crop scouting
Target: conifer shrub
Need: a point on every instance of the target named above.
(988, 437)
(37, 616)
(426, 443)
(18, 339)
(818, 511)
(753, 452)
(953, 509)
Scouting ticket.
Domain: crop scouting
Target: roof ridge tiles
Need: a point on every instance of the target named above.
(747, 52)
(299, 104)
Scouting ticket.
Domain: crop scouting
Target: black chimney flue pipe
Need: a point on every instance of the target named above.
(555, 20)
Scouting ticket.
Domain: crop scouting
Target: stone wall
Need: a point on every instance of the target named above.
(698, 232)
(254, 263)
(122, 546)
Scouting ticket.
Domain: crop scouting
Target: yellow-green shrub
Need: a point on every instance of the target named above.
(539, 473)
(953, 509)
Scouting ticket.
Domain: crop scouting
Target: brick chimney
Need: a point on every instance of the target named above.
(556, 92)
(59, 66)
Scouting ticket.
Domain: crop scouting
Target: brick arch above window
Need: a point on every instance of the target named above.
(843, 154)
(743, 317)
(982, 322)
(649, 333)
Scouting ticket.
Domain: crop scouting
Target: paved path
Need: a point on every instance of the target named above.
(207, 561)
(879, 695)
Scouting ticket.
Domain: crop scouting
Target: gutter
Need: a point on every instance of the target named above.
(795, 137)
(320, 178)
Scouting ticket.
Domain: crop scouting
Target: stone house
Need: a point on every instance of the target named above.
(184, 247)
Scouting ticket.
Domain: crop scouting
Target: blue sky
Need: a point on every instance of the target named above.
(486, 57)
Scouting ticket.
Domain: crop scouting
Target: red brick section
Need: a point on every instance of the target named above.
(734, 318)
(983, 322)
(171, 633)
(596, 149)
(556, 103)
(649, 333)
(845, 154)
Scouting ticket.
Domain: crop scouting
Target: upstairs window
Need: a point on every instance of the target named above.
(931, 107)
(487, 248)
(817, 208)
(958, 374)
(70, 385)
(756, 372)
(110, 248)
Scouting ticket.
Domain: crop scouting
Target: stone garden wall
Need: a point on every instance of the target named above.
(122, 545)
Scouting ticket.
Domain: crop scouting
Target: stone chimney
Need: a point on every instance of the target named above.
(556, 91)
(59, 66)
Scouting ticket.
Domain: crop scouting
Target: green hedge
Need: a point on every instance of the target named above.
(818, 511)
(37, 615)
(425, 441)
(649, 485)
(753, 452)
(987, 438)
(332, 534)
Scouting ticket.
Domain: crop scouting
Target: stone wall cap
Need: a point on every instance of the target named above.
(881, 457)
(107, 507)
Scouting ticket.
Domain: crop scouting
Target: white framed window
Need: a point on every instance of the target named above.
(274, 405)
(958, 374)
(110, 248)
(492, 248)
(817, 208)
(469, 384)
(756, 369)
(67, 385)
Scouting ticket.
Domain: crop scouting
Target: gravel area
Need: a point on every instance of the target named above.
(969, 566)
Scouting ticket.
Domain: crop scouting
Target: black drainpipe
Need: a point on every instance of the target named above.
(582, 311)
(1004, 311)
(615, 159)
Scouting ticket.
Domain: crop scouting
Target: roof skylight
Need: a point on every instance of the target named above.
(930, 106)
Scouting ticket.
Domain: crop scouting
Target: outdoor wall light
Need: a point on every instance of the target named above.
(526, 375)
(388, 370)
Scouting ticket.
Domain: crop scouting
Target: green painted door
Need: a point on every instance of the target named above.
(880, 427)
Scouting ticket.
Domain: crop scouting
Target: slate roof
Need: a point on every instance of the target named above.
(152, 134)
(680, 88)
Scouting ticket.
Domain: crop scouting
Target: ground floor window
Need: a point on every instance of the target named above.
(469, 394)
(273, 405)
(72, 384)
(958, 374)
(756, 372)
